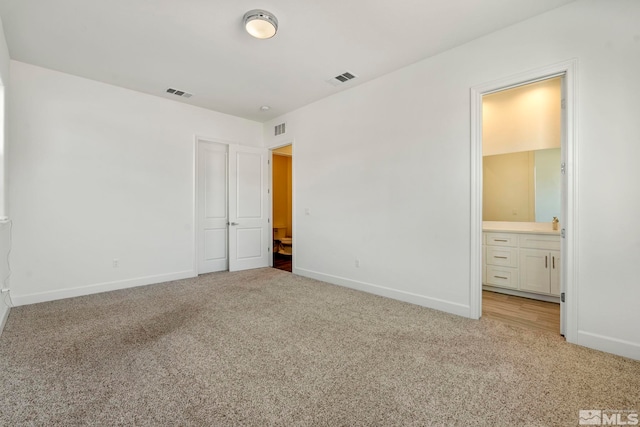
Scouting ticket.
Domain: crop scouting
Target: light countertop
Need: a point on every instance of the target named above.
(520, 227)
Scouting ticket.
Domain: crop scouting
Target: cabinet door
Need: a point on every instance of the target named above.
(555, 272)
(534, 271)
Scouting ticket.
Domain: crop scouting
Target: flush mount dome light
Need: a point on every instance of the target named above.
(260, 24)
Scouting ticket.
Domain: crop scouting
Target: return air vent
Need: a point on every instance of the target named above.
(280, 129)
(179, 93)
(342, 78)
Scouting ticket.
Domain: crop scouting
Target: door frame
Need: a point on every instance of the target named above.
(569, 244)
(293, 200)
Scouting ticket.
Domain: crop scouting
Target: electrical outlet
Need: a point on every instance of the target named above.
(357, 263)
(116, 262)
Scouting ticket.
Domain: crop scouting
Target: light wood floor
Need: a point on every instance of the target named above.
(522, 312)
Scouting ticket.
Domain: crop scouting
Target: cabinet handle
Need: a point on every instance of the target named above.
(553, 262)
(501, 277)
(501, 257)
(500, 240)
(545, 261)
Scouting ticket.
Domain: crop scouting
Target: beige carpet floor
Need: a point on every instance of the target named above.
(265, 347)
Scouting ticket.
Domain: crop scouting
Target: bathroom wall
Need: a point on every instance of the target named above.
(282, 193)
(522, 119)
(522, 186)
(509, 187)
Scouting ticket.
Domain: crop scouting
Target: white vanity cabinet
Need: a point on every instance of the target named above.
(528, 263)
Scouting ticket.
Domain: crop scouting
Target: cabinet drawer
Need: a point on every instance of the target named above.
(502, 239)
(504, 277)
(540, 241)
(502, 256)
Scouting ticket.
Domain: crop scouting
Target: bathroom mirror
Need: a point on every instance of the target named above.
(522, 186)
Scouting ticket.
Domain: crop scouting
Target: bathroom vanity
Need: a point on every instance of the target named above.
(521, 259)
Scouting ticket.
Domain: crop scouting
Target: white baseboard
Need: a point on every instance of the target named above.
(4, 314)
(610, 345)
(98, 288)
(424, 301)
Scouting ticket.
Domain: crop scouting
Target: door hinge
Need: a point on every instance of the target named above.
(563, 168)
(563, 104)
(562, 297)
(563, 233)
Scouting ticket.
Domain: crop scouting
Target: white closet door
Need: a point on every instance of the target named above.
(212, 207)
(249, 232)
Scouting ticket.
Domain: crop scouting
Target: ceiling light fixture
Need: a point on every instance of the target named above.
(260, 24)
(265, 108)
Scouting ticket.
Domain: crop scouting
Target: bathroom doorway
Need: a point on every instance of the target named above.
(282, 207)
(523, 131)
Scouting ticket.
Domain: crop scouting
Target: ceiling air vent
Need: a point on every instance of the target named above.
(280, 129)
(179, 93)
(342, 78)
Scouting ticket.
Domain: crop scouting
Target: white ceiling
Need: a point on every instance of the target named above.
(200, 46)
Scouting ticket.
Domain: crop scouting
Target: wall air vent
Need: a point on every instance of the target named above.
(179, 93)
(342, 78)
(280, 129)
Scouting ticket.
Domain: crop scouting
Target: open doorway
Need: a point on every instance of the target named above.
(569, 286)
(522, 139)
(282, 207)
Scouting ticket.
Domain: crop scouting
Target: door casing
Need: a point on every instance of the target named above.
(569, 244)
(293, 199)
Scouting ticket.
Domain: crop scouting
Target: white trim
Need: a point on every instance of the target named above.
(294, 243)
(4, 315)
(195, 206)
(569, 69)
(294, 237)
(610, 345)
(99, 288)
(424, 301)
(270, 201)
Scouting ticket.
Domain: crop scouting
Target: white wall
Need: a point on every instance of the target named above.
(384, 169)
(5, 241)
(100, 172)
